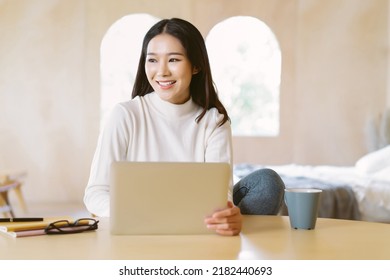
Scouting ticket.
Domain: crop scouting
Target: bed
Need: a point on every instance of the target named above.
(358, 192)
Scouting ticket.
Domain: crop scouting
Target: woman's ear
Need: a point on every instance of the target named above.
(195, 70)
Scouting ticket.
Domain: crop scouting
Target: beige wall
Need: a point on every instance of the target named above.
(334, 78)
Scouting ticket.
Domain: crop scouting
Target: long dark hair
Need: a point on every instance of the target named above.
(202, 88)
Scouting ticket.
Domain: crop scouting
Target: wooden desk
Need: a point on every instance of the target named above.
(263, 237)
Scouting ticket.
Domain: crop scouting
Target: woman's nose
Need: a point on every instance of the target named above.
(163, 70)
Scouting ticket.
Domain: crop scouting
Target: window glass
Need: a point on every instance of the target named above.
(245, 60)
(119, 55)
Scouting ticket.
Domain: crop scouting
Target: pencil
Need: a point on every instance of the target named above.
(2, 220)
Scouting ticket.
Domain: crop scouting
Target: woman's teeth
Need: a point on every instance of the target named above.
(166, 83)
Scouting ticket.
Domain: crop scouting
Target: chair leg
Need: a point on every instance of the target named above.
(5, 202)
(4, 209)
(19, 195)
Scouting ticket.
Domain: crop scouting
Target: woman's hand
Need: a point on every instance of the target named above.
(227, 221)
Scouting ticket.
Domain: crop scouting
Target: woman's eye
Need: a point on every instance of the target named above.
(152, 60)
(174, 60)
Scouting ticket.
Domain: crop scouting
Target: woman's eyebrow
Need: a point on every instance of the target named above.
(171, 53)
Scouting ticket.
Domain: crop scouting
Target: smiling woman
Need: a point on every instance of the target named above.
(175, 115)
(190, 43)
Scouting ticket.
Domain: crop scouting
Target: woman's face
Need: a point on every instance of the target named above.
(168, 69)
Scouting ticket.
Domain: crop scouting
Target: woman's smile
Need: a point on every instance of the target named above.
(166, 84)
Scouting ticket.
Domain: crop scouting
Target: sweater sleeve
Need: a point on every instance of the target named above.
(219, 146)
(112, 146)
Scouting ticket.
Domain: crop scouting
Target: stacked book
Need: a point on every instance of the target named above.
(27, 226)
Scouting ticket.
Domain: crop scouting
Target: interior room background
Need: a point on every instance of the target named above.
(334, 90)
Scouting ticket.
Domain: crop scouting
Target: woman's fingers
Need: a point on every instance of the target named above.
(227, 221)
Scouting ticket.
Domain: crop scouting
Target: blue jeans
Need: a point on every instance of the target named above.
(259, 193)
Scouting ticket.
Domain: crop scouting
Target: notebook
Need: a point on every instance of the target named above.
(156, 198)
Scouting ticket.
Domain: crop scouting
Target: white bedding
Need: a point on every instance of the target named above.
(369, 179)
(372, 192)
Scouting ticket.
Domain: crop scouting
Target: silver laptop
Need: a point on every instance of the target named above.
(151, 198)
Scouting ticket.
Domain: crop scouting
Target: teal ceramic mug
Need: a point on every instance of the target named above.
(302, 205)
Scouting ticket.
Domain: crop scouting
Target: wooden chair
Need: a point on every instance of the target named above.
(5, 206)
(7, 184)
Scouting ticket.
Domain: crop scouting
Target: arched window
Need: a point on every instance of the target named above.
(119, 55)
(245, 60)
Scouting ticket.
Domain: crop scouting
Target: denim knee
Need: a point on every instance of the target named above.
(259, 193)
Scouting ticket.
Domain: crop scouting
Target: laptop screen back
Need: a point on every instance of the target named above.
(166, 197)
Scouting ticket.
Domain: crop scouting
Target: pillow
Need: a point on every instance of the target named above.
(375, 161)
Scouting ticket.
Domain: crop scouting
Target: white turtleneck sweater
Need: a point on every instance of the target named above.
(150, 129)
